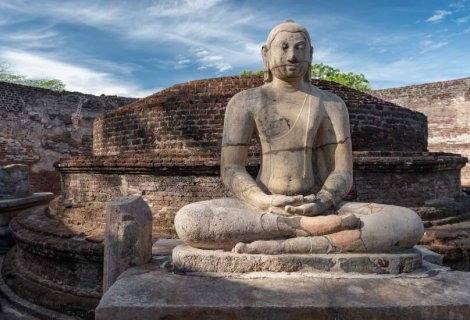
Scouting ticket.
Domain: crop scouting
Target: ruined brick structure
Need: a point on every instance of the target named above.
(447, 106)
(39, 126)
(166, 147)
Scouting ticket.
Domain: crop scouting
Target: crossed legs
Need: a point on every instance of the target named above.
(230, 224)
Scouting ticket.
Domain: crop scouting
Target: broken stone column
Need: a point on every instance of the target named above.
(128, 237)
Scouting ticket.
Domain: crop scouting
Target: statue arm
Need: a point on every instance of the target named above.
(339, 181)
(238, 130)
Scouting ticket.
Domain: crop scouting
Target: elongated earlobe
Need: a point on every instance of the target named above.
(268, 77)
(308, 75)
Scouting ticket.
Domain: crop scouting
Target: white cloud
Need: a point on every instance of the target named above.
(181, 62)
(34, 39)
(431, 67)
(181, 7)
(206, 61)
(211, 25)
(438, 16)
(429, 45)
(458, 6)
(76, 78)
(463, 20)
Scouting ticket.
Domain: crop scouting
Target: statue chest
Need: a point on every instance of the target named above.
(291, 124)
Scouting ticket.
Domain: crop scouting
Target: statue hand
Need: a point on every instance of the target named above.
(279, 211)
(315, 208)
(276, 204)
(280, 201)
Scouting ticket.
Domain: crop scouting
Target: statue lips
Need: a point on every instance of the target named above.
(291, 67)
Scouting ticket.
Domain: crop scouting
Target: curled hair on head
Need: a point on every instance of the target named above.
(289, 26)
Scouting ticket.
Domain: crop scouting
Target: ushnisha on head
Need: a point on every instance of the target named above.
(288, 52)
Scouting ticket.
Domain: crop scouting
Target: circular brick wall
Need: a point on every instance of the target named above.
(401, 178)
(186, 120)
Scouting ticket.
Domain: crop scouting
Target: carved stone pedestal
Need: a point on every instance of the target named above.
(188, 259)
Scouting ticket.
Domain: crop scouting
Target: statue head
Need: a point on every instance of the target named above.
(289, 49)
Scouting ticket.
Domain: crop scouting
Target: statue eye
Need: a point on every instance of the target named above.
(300, 47)
(285, 46)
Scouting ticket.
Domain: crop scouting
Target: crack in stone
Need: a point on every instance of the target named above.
(331, 143)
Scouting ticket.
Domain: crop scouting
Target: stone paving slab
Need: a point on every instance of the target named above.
(153, 292)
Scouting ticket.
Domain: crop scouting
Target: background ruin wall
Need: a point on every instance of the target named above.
(447, 106)
(39, 126)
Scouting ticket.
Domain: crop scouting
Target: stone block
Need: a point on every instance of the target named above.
(14, 181)
(128, 237)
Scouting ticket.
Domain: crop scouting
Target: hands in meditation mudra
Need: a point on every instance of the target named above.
(295, 204)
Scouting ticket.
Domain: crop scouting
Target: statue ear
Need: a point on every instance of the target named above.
(308, 75)
(264, 52)
(267, 70)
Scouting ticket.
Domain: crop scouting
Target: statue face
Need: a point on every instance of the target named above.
(289, 56)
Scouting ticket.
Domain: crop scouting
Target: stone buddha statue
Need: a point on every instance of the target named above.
(295, 203)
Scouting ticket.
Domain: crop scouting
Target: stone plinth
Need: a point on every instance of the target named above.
(156, 292)
(189, 259)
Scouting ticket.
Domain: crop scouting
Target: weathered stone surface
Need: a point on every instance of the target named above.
(153, 293)
(189, 259)
(128, 237)
(54, 266)
(14, 181)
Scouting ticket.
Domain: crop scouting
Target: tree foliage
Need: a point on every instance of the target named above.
(247, 72)
(350, 79)
(326, 72)
(52, 84)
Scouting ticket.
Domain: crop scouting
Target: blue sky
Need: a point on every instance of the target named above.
(135, 48)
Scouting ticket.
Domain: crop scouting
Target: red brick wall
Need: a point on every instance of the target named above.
(36, 129)
(447, 106)
(186, 120)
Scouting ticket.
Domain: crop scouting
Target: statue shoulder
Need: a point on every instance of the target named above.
(246, 99)
(332, 102)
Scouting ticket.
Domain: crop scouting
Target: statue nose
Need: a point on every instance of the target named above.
(291, 57)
